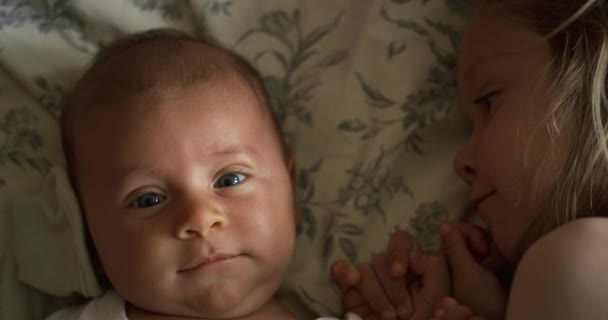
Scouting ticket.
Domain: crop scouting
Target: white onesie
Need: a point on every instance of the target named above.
(111, 306)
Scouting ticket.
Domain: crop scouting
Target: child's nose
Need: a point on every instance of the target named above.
(199, 219)
(464, 163)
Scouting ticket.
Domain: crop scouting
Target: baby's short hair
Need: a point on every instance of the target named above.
(167, 63)
(151, 62)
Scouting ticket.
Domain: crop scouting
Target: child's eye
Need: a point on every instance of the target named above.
(147, 200)
(487, 101)
(230, 179)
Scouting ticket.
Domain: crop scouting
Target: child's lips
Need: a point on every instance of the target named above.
(476, 202)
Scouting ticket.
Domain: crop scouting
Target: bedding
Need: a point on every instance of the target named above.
(365, 92)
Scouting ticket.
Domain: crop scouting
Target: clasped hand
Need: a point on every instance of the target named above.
(403, 283)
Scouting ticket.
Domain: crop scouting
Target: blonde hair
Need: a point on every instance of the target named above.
(577, 32)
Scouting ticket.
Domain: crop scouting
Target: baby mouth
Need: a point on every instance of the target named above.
(204, 261)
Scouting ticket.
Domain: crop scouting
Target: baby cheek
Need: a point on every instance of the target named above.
(138, 267)
(274, 226)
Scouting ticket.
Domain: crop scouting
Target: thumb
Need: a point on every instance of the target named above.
(456, 250)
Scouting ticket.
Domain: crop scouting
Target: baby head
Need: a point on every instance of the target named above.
(532, 77)
(183, 176)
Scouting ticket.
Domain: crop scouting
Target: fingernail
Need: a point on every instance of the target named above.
(402, 312)
(389, 315)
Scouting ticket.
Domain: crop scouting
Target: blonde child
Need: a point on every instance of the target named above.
(184, 181)
(533, 81)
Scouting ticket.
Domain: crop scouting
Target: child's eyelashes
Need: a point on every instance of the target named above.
(230, 179)
(487, 101)
(147, 200)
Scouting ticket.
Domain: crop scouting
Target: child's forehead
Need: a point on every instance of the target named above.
(494, 37)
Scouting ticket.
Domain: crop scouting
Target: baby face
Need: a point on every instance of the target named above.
(504, 83)
(188, 199)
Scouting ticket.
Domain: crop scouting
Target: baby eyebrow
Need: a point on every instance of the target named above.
(130, 172)
(233, 150)
(150, 170)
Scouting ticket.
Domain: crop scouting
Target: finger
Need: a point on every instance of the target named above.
(352, 299)
(344, 275)
(446, 302)
(372, 316)
(433, 269)
(400, 246)
(431, 284)
(469, 278)
(363, 311)
(475, 236)
(370, 288)
(454, 312)
(457, 251)
(494, 259)
(395, 288)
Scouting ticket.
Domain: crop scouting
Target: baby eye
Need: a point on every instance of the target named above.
(147, 200)
(229, 180)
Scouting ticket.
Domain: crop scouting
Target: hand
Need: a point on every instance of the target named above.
(431, 281)
(377, 289)
(362, 291)
(449, 309)
(472, 262)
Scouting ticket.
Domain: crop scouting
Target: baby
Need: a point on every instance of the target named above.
(185, 183)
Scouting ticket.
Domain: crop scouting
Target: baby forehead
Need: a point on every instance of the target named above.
(159, 63)
(157, 68)
(230, 96)
(185, 115)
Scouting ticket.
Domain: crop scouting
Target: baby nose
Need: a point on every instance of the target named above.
(199, 219)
